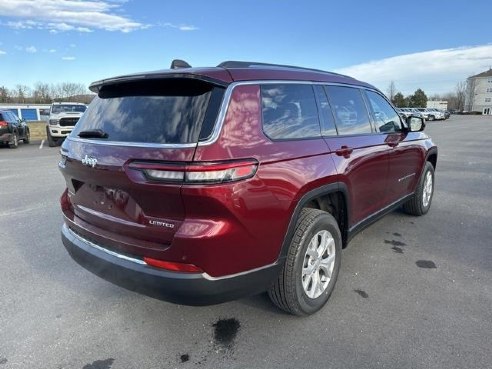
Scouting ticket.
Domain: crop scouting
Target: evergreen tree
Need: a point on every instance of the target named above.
(399, 100)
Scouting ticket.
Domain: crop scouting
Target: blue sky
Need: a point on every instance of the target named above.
(419, 44)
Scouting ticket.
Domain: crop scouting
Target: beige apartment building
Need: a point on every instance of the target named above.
(479, 93)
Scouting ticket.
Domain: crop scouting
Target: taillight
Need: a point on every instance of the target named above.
(65, 202)
(173, 266)
(198, 173)
(3, 123)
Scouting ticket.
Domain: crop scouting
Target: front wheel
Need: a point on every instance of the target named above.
(420, 203)
(51, 141)
(27, 139)
(311, 268)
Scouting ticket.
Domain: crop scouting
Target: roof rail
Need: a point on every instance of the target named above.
(246, 64)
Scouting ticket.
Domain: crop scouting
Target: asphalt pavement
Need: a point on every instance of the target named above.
(413, 292)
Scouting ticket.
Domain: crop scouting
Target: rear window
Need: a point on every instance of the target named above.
(156, 111)
(289, 111)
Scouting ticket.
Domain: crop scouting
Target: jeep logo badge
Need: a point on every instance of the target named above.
(89, 161)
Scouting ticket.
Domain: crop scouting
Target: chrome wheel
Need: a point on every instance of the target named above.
(318, 265)
(427, 189)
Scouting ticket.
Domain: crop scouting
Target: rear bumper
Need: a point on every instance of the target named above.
(6, 137)
(181, 288)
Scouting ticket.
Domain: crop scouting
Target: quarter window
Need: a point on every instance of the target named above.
(289, 111)
(349, 108)
(384, 116)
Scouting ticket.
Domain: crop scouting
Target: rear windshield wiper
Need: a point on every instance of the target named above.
(93, 133)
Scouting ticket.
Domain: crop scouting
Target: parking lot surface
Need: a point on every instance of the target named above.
(413, 292)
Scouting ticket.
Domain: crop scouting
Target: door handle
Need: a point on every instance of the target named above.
(344, 151)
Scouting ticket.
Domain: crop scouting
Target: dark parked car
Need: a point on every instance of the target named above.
(202, 185)
(12, 129)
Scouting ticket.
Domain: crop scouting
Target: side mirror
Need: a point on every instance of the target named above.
(415, 124)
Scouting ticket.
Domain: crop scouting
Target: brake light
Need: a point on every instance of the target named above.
(65, 202)
(172, 266)
(3, 123)
(198, 173)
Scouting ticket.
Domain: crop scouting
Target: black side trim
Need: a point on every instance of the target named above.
(320, 191)
(376, 216)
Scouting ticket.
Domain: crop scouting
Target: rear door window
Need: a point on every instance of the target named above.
(349, 109)
(289, 111)
(155, 111)
(327, 120)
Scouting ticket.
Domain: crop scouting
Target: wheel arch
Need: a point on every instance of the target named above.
(332, 198)
(432, 156)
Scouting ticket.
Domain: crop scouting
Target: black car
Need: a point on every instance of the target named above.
(13, 129)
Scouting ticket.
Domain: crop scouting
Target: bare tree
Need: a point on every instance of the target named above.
(4, 95)
(470, 92)
(450, 97)
(460, 93)
(391, 91)
(41, 93)
(22, 93)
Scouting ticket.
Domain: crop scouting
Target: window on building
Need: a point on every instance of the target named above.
(488, 99)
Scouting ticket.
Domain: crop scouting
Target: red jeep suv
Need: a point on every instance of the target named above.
(202, 185)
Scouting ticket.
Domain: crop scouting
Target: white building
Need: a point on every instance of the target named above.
(479, 93)
(29, 112)
(437, 104)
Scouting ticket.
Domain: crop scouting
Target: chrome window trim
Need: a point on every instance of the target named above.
(220, 117)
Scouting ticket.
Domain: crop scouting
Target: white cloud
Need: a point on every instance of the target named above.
(435, 71)
(187, 28)
(181, 27)
(67, 15)
(52, 50)
(68, 58)
(2, 52)
(28, 49)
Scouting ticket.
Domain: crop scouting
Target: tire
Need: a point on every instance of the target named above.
(294, 290)
(420, 203)
(431, 117)
(27, 139)
(14, 144)
(51, 141)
